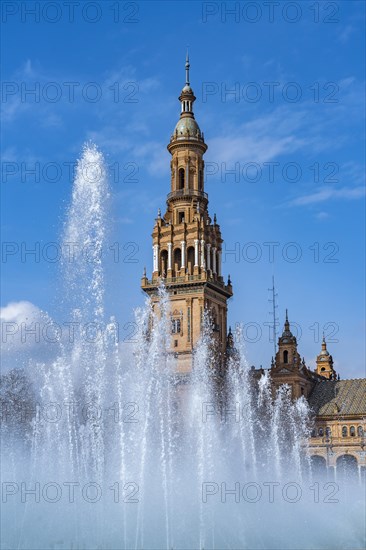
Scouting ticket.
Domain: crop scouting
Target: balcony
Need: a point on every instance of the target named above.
(187, 193)
(203, 277)
(330, 441)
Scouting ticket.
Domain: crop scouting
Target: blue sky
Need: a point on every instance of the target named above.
(306, 128)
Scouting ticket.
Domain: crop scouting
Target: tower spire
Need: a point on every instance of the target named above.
(187, 68)
(287, 324)
(187, 127)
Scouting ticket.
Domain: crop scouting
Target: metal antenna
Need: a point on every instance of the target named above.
(272, 300)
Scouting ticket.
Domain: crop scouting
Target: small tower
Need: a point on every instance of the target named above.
(288, 368)
(324, 363)
(187, 244)
(287, 353)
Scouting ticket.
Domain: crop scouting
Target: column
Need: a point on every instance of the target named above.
(155, 257)
(219, 263)
(214, 259)
(183, 245)
(170, 246)
(208, 256)
(196, 243)
(189, 318)
(203, 264)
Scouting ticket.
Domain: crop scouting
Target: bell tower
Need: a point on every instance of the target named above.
(288, 368)
(324, 363)
(287, 354)
(187, 244)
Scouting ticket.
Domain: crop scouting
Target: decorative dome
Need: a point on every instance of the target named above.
(187, 89)
(324, 352)
(187, 125)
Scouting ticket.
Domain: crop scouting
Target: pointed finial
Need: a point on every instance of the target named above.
(214, 218)
(324, 344)
(159, 213)
(229, 280)
(187, 68)
(286, 316)
(144, 274)
(229, 330)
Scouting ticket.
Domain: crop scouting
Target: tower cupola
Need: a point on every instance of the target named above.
(324, 363)
(187, 127)
(288, 368)
(287, 348)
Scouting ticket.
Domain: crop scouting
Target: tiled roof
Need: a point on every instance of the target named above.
(339, 397)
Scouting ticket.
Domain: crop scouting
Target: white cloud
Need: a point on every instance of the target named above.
(28, 69)
(9, 155)
(328, 193)
(125, 221)
(19, 311)
(27, 333)
(345, 33)
(284, 131)
(322, 215)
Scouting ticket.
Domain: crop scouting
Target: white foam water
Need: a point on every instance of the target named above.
(138, 459)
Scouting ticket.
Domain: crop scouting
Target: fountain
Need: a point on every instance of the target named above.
(118, 454)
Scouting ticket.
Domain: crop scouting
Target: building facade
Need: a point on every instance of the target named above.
(187, 247)
(338, 440)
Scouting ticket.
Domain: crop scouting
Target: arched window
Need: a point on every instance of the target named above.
(321, 432)
(313, 433)
(177, 261)
(328, 432)
(347, 467)
(352, 431)
(190, 259)
(164, 263)
(318, 465)
(344, 431)
(360, 431)
(285, 356)
(181, 178)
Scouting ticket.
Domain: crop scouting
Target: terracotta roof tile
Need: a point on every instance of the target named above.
(343, 397)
